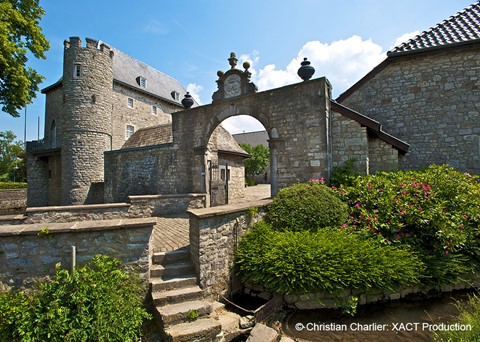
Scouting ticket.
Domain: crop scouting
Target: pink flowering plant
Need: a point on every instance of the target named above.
(436, 210)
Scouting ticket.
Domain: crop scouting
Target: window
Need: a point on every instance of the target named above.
(130, 102)
(142, 81)
(175, 95)
(129, 130)
(53, 134)
(77, 71)
(154, 110)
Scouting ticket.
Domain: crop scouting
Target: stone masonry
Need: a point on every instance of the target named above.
(431, 100)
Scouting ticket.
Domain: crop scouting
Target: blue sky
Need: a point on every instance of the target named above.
(192, 39)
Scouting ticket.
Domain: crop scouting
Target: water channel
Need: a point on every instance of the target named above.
(401, 320)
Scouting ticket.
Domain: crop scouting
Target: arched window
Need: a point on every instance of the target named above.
(53, 134)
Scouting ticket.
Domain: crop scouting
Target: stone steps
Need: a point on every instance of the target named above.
(178, 299)
(205, 329)
(181, 312)
(171, 270)
(177, 295)
(172, 283)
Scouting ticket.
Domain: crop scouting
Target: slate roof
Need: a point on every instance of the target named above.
(461, 28)
(162, 134)
(127, 69)
(149, 136)
(252, 138)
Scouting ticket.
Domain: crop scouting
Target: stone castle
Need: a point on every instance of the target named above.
(103, 99)
(116, 127)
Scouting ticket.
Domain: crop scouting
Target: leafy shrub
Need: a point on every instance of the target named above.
(344, 174)
(99, 302)
(326, 260)
(436, 210)
(249, 182)
(12, 185)
(306, 206)
(436, 207)
(469, 317)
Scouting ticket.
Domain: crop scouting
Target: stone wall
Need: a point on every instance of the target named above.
(12, 201)
(159, 205)
(138, 207)
(37, 179)
(140, 116)
(431, 101)
(214, 236)
(74, 213)
(142, 171)
(349, 141)
(382, 156)
(31, 251)
(339, 299)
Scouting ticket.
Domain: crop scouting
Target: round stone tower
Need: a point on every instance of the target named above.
(87, 122)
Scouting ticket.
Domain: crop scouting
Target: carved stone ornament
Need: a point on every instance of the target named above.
(234, 82)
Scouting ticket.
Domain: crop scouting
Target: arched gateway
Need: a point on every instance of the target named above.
(309, 134)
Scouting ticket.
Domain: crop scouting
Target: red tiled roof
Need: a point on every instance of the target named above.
(463, 27)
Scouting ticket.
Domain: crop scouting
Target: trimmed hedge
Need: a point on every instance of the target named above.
(12, 185)
(327, 260)
(307, 206)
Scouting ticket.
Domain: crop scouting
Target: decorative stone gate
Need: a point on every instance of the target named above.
(308, 135)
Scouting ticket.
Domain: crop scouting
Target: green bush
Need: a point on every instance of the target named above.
(99, 302)
(306, 206)
(12, 185)
(249, 182)
(469, 318)
(344, 174)
(436, 210)
(327, 260)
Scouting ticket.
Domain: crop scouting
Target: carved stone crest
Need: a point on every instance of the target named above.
(234, 82)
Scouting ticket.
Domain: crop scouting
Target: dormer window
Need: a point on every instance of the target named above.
(175, 95)
(142, 81)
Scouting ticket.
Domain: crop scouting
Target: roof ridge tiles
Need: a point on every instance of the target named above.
(461, 27)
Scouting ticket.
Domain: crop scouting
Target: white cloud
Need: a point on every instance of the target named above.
(241, 124)
(343, 62)
(194, 90)
(404, 38)
(155, 27)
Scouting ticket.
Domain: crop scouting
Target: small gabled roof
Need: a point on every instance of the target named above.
(373, 126)
(150, 136)
(162, 134)
(460, 28)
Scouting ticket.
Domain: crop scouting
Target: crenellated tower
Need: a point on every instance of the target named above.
(86, 120)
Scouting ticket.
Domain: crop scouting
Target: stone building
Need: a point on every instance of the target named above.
(103, 98)
(116, 127)
(427, 92)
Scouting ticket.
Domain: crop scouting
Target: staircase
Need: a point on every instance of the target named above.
(182, 312)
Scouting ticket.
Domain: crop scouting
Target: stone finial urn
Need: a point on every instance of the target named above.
(187, 101)
(306, 71)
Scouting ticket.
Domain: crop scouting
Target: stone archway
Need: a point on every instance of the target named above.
(297, 118)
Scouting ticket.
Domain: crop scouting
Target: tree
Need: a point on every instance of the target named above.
(11, 166)
(19, 33)
(260, 157)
